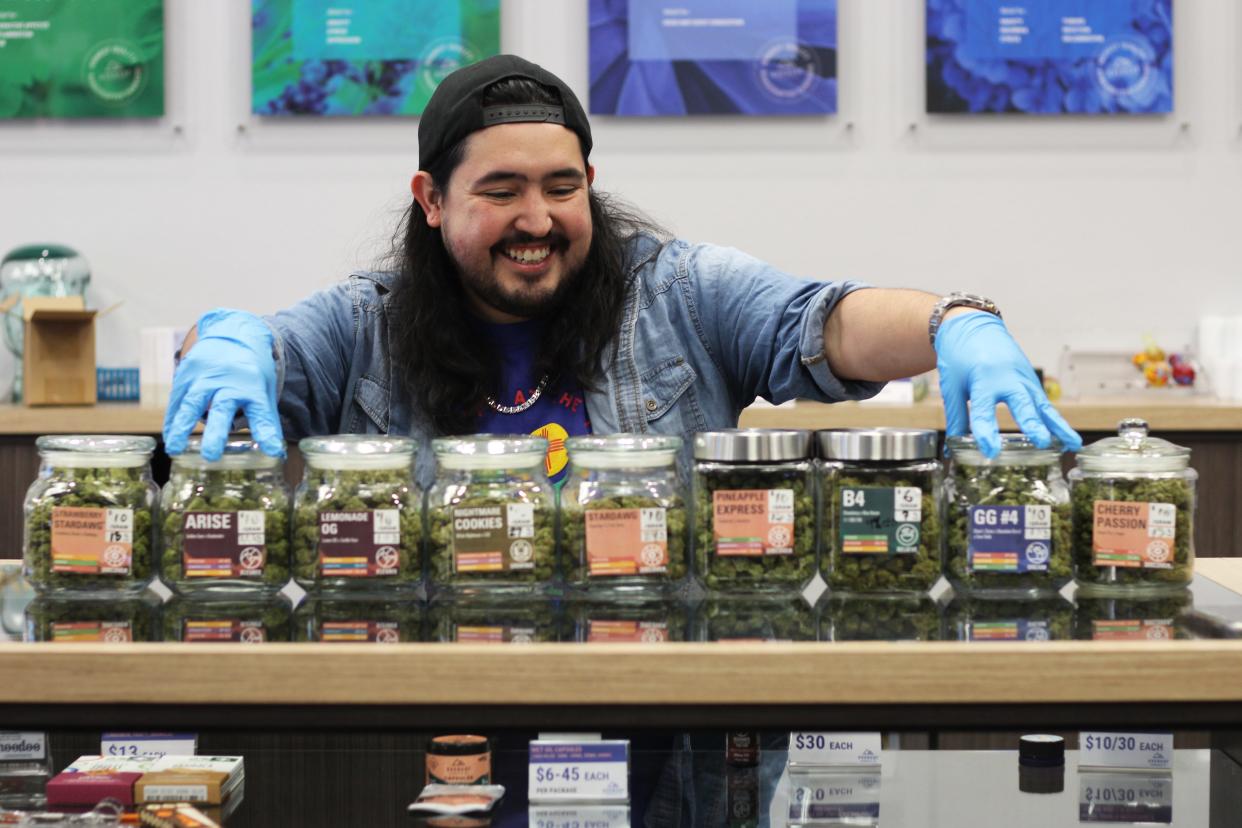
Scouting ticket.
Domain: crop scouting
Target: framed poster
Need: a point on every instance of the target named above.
(350, 57)
(81, 59)
(1050, 57)
(711, 57)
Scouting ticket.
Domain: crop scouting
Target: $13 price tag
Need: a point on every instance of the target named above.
(1134, 751)
(834, 749)
(148, 744)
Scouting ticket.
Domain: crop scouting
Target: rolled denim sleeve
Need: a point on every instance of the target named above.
(314, 341)
(767, 327)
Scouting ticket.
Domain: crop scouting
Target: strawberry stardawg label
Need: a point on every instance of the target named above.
(244, 632)
(92, 541)
(753, 522)
(108, 632)
(359, 544)
(627, 541)
(224, 544)
(494, 538)
(1138, 535)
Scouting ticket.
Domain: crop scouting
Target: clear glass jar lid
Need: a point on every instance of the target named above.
(623, 451)
(1133, 450)
(753, 445)
(880, 444)
(240, 452)
(493, 452)
(80, 451)
(1016, 450)
(358, 451)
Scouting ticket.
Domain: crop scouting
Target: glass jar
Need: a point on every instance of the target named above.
(247, 621)
(491, 516)
(357, 521)
(754, 493)
(873, 618)
(880, 501)
(350, 619)
(1134, 512)
(1103, 615)
(61, 620)
(225, 522)
(623, 515)
(90, 515)
(1043, 616)
(1007, 519)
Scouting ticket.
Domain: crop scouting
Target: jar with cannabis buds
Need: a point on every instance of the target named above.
(90, 515)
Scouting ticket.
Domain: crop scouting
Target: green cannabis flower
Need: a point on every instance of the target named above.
(1171, 490)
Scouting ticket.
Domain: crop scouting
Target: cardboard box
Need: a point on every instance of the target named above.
(86, 789)
(58, 357)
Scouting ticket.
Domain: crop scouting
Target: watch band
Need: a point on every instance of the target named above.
(956, 300)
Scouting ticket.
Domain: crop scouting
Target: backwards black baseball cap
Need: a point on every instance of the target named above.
(456, 107)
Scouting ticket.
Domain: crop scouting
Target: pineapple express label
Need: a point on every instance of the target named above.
(494, 635)
(361, 543)
(627, 541)
(224, 544)
(881, 520)
(244, 632)
(753, 522)
(1132, 630)
(494, 538)
(1010, 538)
(638, 632)
(1130, 534)
(108, 632)
(92, 541)
(371, 632)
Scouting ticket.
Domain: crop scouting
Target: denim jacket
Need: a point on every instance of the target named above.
(705, 330)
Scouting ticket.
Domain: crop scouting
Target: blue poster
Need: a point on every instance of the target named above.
(1050, 57)
(712, 57)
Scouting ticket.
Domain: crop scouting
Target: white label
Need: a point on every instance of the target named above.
(1161, 520)
(119, 525)
(907, 504)
(653, 525)
(521, 519)
(780, 506)
(1125, 797)
(1134, 751)
(583, 771)
(1038, 522)
(386, 523)
(579, 816)
(834, 749)
(22, 747)
(848, 798)
(148, 744)
(174, 793)
(250, 528)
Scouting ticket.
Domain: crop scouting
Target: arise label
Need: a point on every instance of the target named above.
(224, 544)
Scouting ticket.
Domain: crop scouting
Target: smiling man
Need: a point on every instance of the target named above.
(519, 299)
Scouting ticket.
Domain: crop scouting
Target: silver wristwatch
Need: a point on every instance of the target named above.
(956, 300)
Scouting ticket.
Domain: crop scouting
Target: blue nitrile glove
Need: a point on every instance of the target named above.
(230, 366)
(979, 361)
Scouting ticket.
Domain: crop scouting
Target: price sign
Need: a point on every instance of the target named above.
(819, 750)
(853, 798)
(1132, 751)
(23, 747)
(148, 744)
(1125, 797)
(578, 816)
(586, 771)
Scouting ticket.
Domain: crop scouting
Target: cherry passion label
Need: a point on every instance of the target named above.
(753, 522)
(1136, 535)
(224, 544)
(1010, 538)
(359, 544)
(92, 541)
(881, 520)
(494, 538)
(627, 541)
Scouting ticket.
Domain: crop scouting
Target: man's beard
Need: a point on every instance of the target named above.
(526, 304)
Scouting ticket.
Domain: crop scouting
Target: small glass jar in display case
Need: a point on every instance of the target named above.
(1007, 519)
(880, 510)
(90, 515)
(1134, 513)
(491, 516)
(358, 521)
(623, 516)
(754, 519)
(225, 522)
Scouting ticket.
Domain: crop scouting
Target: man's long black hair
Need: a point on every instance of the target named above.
(447, 369)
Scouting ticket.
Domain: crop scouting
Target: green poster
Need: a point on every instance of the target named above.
(81, 58)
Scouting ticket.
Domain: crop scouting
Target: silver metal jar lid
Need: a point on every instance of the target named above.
(877, 443)
(753, 445)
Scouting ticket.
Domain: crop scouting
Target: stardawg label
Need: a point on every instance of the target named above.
(92, 541)
(627, 541)
(494, 538)
(359, 544)
(881, 520)
(224, 544)
(1138, 535)
(753, 522)
(1010, 538)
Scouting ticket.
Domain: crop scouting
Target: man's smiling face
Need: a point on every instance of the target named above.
(514, 217)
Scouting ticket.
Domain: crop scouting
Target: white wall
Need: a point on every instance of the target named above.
(1086, 233)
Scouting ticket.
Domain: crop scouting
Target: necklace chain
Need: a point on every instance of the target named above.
(518, 409)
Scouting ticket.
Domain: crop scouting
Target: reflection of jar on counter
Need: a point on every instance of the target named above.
(357, 619)
(656, 622)
(107, 621)
(889, 618)
(738, 618)
(1105, 616)
(1049, 617)
(244, 622)
(514, 620)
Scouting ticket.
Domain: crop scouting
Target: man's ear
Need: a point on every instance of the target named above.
(428, 196)
(590, 174)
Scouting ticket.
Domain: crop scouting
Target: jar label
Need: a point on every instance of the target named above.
(1013, 630)
(1133, 534)
(371, 632)
(1132, 630)
(224, 544)
(1010, 538)
(459, 770)
(494, 635)
(627, 541)
(644, 632)
(360, 543)
(753, 522)
(92, 541)
(880, 520)
(494, 538)
(245, 632)
(109, 632)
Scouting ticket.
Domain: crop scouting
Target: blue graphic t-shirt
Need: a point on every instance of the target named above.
(559, 412)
